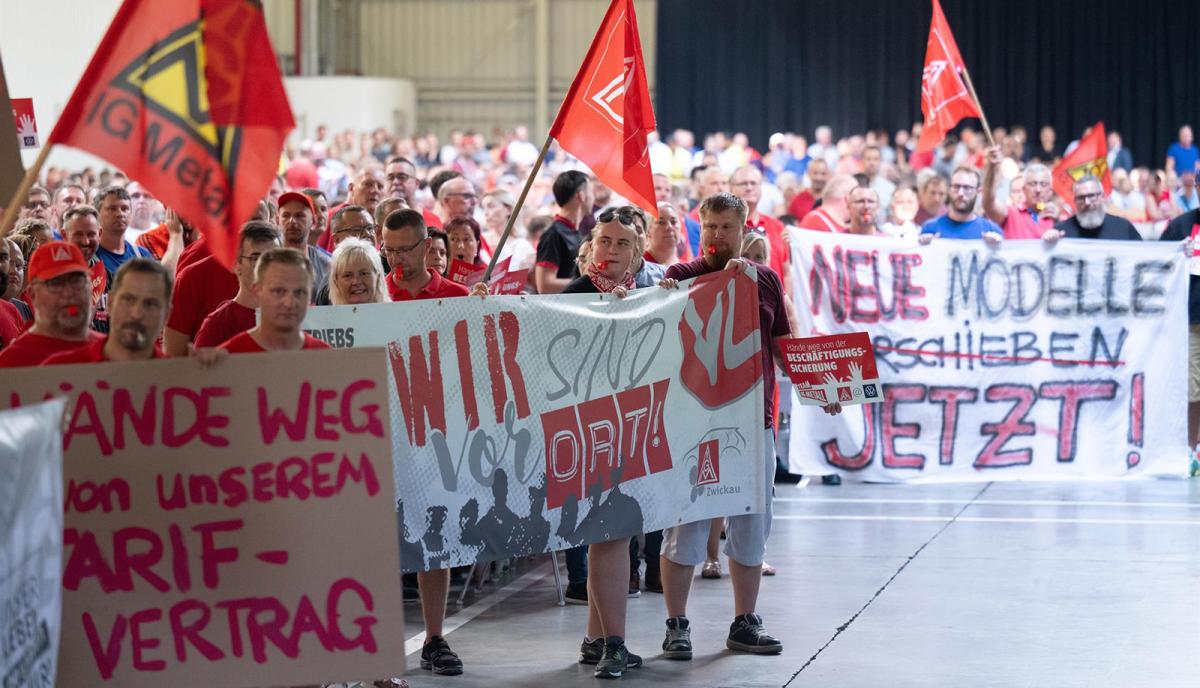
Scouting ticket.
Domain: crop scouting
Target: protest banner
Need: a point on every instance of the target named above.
(27, 135)
(525, 425)
(501, 282)
(836, 369)
(1021, 362)
(226, 527)
(31, 541)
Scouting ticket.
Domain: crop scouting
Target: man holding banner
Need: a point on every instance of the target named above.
(722, 222)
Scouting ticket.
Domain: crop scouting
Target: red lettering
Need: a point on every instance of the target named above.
(127, 562)
(834, 456)
(564, 454)
(510, 332)
(140, 644)
(466, 374)
(86, 561)
(365, 639)
(890, 430)
(950, 398)
(91, 425)
(204, 422)
(271, 421)
(1013, 425)
(211, 556)
(373, 424)
(295, 480)
(143, 424)
(419, 386)
(364, 474)
(185, 632)
(1073, 395)
(109, 653)
(323, 431)
(599, 422)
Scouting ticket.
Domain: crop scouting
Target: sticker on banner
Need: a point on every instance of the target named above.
(837, 368)
(27, 135)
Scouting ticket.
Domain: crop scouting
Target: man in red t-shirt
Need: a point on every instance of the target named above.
(141, 297)
(283, 284)
(81, 226)
(62, 304)
(11, 322)
(199, 289)
(1039, 213)
(366, 190)
(834, 213)
(405, 239)
(167, 241)
(236, 315)
(804, 202)
(746, 184)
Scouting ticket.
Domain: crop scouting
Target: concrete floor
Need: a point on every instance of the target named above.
(1002, 584)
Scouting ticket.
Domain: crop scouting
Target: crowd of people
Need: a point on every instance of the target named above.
(98, 270)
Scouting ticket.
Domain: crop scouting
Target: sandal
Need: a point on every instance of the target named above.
(712, 569)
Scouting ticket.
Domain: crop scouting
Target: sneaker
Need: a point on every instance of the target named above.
(635, 585)
(678, 643)
(591, 653)
(437, 657)
(617, 658)
(712, 569)
(746, 634)
(576, 593)
(831, 479)
(653, 582)
(769, 570)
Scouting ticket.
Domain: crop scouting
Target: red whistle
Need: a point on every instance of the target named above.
(602, 264)
(711, 250)
(72, 311)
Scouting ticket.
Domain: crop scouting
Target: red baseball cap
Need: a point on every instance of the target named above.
(297, 196)
(55, 259)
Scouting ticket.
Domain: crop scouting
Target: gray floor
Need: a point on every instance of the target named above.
(1001, 584)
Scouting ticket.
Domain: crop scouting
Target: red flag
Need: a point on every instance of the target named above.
(1089, 157)
(605, 117)
(944, 97)
(186, 98)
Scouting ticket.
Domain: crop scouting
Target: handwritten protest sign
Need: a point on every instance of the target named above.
(31, 532)
(834, 369)
(1021, 362)
(229, 527)
(531, 425)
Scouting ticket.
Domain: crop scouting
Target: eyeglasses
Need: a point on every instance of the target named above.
(359, 231)
(464, 196)
(400, 177)
(253, 257)
(402, 250)
(1089, 198)
(75, 281)
(37, 205)
(622, 215)
(963, 188)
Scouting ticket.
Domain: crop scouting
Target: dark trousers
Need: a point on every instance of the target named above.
(652, 547)
(577, 565)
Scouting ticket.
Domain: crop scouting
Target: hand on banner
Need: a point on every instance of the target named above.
(992, 239)
(1051, 237)
(479, 289)
(832, 409)
(619, 291)
(207, 357)
(668, 283)
(926, 239)
(738, 265)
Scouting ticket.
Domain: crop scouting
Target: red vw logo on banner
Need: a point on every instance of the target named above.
(721, 341)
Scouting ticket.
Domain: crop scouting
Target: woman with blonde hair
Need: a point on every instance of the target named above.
(356, 274)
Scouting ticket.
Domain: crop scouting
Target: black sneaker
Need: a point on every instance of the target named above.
(576, 593)
(635, 585)
(746, 634)
(678, 643)
(591, 653)
(831, 479)
(436, 656)
(617, 658)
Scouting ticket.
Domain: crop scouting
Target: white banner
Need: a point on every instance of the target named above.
(532, 424)
(1021, 362)
(31, 544)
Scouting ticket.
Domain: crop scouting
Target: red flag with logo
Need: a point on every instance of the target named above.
(186, 98)
(944, 96)
(1089, 157)
(607, 113)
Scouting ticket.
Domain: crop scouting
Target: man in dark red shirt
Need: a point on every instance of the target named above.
(405, 239)
(746, 184)
(283, 284)
(236, 315)
(11, 322)
(199, 289)
(140, 299)
(834, 213)
(62, 303)
(722, 220)
(807, 200)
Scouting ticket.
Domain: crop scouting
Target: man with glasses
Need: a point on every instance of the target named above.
(353, 221)
(141, 297)
(296, 216)
(402, 181)
(37, 205)
(405, 240)
(746, 183)
(960, 220)
(1090, 220)
(236, 315)
(62, 302)
(1037, 215)
(864, 211)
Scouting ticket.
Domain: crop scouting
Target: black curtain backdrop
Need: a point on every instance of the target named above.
(760, 66)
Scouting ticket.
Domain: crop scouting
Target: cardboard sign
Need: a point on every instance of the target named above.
(226, 527)
(838, 368)
(465, 273)
(31, 542)
(27, 134)
(529, 425)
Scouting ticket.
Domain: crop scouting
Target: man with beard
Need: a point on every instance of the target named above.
(81, 227)
(62, 302)
(960, 220)
(10, 317)
(296, 217)
(722, 220)
(1090, 221)
(141, 297)
(114, 207)
(864, 211)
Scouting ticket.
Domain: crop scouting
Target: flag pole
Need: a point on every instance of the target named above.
(31, 175)
(512, 218)
(987, 131)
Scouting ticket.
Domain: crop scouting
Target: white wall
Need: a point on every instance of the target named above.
(349, 102)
